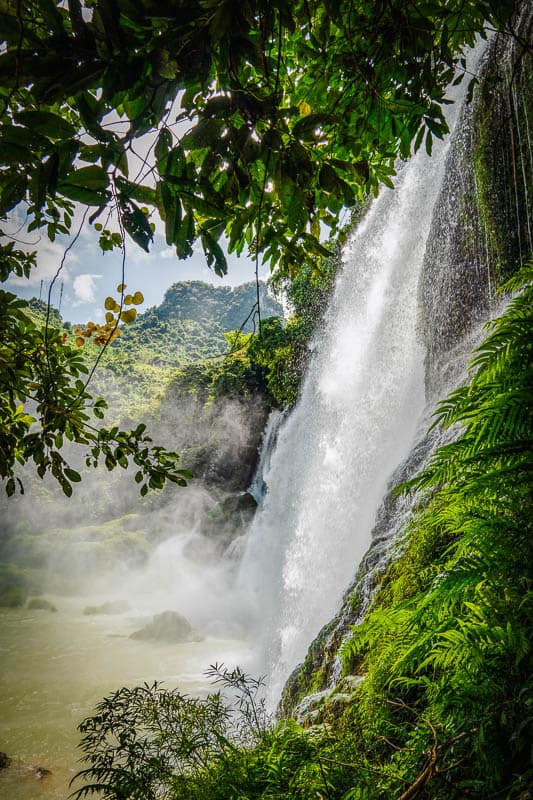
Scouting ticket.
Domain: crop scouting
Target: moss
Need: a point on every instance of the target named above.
(503, 172)
(41, 604)
(13, 598)
(417, 566)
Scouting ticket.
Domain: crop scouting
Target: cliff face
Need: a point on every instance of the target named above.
(480, 235)
(481, 230)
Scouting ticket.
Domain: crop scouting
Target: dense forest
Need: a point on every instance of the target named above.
(273, 127)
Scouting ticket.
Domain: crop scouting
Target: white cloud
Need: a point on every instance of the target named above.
(169, 252)
(84, 287)
(49, 258)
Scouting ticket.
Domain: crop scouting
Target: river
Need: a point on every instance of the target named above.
(57, 666)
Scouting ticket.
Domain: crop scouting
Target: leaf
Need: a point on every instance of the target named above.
(138, 298)
(304, 108)
(92, 177)
(13, 192)
(162, 149)
(72, 475)
(91, 197)
(47, 124)
(128, 315)
(327, 178)
(137, 224)
(135, 191)
(214, 254)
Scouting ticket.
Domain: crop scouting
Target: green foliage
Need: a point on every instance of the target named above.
(272, 360)
(44, 402)
(294, 113)
(187, 328)
(444, 709)
(285, 357)
(447, 646)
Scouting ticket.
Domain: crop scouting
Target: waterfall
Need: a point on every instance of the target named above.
(360, 410)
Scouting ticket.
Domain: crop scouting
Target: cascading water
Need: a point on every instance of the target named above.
(360, 407)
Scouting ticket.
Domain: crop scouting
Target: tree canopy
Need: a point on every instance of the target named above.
(268, 120)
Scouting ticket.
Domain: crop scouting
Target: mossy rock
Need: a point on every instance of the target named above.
(41, 604)
(110, 607)
(170, 626)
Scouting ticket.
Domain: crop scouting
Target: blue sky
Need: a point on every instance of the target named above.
(89, 276)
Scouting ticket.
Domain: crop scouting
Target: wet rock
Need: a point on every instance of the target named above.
(112, 607)
(308, 710)
(5, 761)
(40, 604)
(42, 772)
(170, 626)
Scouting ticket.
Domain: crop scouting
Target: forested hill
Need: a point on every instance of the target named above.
(190, 323)
(187, 327)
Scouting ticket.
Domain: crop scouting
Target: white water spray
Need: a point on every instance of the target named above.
(360, 407)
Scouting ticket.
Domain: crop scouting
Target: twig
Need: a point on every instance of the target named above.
(48, 305)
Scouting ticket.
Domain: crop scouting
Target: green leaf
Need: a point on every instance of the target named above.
(72, 475)
(162, 149)
(137, 224)
(47, 124)
(214, 254)
(90, 197)
(92, 177)
(135, 191)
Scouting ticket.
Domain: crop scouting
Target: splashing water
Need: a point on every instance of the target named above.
(361, 404)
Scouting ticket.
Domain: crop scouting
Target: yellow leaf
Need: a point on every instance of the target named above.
(304, 108)
(121, 287)
(110, 303)
(138, 298)
(129, 315)
(109, 317)
(80, 341)
(128, 300)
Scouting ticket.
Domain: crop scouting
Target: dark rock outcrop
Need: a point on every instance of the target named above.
(169, 626)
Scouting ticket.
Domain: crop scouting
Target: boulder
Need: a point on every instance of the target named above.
(42, 772)
(111, 607)
(169, 626)
(40, 604)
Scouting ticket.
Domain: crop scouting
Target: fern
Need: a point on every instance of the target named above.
(457, 649)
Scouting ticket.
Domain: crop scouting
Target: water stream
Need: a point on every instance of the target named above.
(361, 409)
(57, 666)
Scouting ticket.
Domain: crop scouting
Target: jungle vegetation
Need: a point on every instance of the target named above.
(268, 120)
(441, 704)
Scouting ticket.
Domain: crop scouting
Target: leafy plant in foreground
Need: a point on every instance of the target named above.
(45, 402)
(448, 655)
